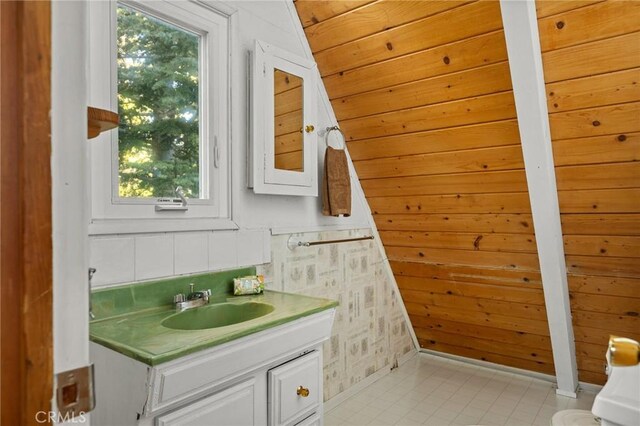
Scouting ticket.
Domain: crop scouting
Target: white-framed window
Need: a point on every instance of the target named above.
(164, 67)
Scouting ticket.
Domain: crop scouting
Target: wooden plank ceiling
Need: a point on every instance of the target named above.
(591, 58)
(423, 93)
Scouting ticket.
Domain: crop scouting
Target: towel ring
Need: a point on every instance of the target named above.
(336, 128)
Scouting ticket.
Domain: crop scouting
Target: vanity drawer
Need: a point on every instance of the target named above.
(295, 389)
(313, 420)
(233, 406)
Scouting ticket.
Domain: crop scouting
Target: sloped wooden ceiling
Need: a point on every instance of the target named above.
(423, 93)
(591, 58)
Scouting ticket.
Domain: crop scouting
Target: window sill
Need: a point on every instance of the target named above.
(139, 226)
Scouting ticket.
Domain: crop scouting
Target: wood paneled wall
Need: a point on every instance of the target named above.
(423, 93)
(591, 58)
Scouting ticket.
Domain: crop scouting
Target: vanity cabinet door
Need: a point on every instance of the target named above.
(230, 407)
(295, 390)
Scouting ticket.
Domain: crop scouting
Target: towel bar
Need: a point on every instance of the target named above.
(337, 129)
(293, 242)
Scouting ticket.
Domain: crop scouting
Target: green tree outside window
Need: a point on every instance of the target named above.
(158, 103)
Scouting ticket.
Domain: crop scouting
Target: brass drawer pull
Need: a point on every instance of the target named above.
(302, 391)
(309, 128)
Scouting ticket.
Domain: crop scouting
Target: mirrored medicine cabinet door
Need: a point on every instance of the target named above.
(283, 123)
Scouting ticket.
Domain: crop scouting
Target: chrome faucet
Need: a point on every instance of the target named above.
(192, 300)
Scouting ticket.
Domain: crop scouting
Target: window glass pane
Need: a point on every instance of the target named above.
(158, 94)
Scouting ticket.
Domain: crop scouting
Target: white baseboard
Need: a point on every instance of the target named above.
(590, 387)
(587, 387)
(490, 365)
(355, 389)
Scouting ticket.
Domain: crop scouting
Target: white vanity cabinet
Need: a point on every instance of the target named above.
(273, 377)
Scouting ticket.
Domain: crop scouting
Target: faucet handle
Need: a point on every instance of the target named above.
(178, 298)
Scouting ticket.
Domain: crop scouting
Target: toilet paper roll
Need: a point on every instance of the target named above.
(623, 352)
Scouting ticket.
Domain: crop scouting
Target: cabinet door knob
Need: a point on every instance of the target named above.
(309, 128)
(302, 391)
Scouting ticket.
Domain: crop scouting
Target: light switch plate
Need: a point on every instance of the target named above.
(75, 391)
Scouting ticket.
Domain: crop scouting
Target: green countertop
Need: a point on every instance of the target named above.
(130, 323)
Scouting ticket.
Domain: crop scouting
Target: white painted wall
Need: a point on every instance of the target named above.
(69, 187)
(135, 257)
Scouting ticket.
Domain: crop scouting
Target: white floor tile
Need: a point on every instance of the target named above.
(382, 404)
(437, 421)
(516, 422)
(353, 405)
(331, 420)
(465, 420)
(342, 412)
(390, 416)
(408, 422)
(406, 404)
(474, 412)
(418, 415)
(362, 417)
(488, 395)
(480, 404)
(527, 407)
(542, 420)
(445, 414)
(427, 409)
(435, 391)
(501, 409)
(523, 416)
(492, 419)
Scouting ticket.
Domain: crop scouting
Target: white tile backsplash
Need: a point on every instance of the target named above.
(191, 252)
(154, 256)
(113, 259)
(250, 247)
(129, 258)
(223, 250)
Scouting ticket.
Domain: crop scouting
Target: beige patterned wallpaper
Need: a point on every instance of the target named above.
(369, 331)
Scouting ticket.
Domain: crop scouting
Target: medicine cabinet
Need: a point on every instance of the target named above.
(283, 141)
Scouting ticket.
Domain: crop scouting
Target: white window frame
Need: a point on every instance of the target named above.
(113, 214)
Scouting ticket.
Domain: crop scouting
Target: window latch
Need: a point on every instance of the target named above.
(168, 204)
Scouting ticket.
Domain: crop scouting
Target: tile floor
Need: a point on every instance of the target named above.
(431, 390)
